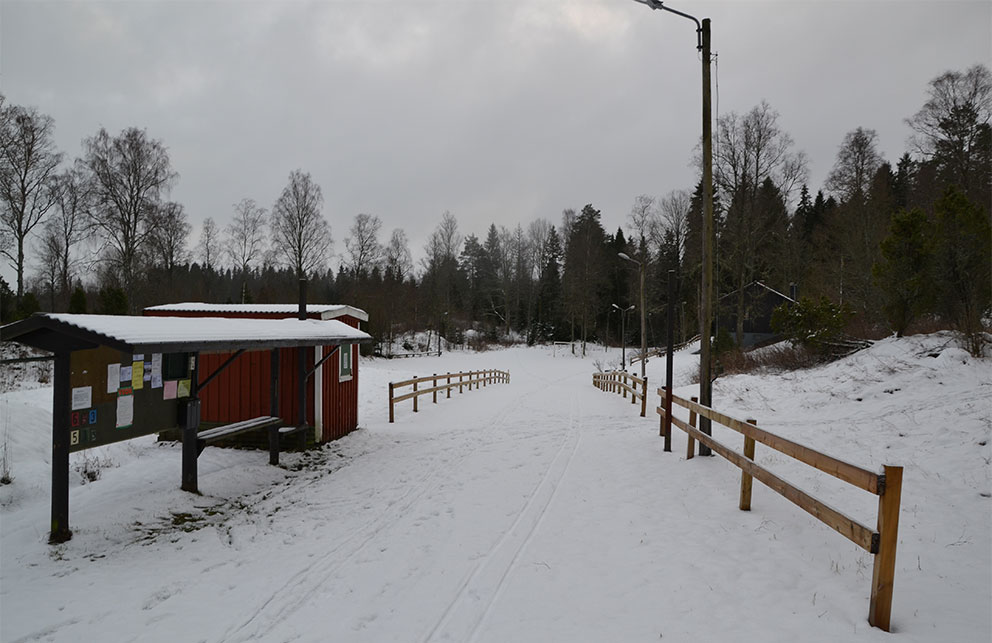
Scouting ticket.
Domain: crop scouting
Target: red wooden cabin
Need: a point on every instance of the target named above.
(241, 391)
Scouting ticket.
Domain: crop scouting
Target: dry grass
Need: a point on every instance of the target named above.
(780, 357)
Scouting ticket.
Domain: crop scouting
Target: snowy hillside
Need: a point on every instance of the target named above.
(539, 510)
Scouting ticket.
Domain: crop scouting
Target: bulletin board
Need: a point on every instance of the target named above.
(118, 396)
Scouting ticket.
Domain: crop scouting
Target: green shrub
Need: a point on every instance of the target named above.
(816, 325)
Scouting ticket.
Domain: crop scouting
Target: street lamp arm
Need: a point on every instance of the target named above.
(656, 4)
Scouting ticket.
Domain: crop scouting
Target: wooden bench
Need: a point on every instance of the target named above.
(272, 423)
(227, 430)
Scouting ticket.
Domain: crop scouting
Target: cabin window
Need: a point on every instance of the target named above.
(345, 369)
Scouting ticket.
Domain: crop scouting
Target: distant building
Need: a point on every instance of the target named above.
(759, 302)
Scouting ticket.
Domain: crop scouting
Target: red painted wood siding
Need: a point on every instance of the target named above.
(241, 391)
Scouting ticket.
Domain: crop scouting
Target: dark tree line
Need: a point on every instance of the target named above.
(895, 244)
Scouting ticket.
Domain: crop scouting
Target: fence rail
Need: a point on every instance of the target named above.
(660, 351)
(617, 382)
(465, 379)
(886, 485)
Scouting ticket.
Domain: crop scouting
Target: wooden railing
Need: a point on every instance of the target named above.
(661, 350)
(617, 382)
(465, 379)
(886, 485)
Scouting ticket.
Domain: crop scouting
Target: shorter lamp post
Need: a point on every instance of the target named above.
(644, 336)
(623, 337)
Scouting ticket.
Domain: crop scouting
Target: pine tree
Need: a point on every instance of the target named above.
(962, 266)
(905, 272)
(549, 318)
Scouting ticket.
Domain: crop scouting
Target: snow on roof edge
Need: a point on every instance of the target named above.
(272, 309)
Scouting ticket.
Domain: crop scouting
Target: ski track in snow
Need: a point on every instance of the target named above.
(284, 602)
(478, 592)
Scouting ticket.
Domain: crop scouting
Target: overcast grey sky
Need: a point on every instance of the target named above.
(500, 111)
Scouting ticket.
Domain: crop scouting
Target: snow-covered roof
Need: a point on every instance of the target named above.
(326, 311)
(762, 285)
(176, 334)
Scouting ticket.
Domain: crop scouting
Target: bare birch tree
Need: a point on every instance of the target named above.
(397, 255)
(128, 175)
(641, 217)
(952, 129)
(28, 161)
(857, 162)
(244, 239)
(301, 236)
(64, 229)
(168, 243)
(674, 219)
(209, 245)
(363, 247)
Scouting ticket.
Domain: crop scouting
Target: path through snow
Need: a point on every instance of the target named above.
(540, 510)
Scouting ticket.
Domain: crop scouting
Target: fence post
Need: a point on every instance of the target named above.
(448, 382)
(434, 392)
(691, 448)
(460, 382)
(485, 377)
(746, 480)
(415, 396)
(390, 402)
(883, 573)
(644, 396)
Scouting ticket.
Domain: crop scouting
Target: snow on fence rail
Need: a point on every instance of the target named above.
(468, 378)
(616, 382)
(886, 485)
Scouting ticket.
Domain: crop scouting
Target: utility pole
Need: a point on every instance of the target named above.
(706, 307)
(644, 316)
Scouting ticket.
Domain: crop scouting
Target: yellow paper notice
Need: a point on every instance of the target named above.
(137, 374)
(183, 388)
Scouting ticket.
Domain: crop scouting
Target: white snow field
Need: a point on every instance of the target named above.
(539, 510)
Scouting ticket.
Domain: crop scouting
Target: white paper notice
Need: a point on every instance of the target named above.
(156, 380)
(82, 398)
(139, 357)
(156, 363)
(126, 373)
(113, 377)
(125, 410)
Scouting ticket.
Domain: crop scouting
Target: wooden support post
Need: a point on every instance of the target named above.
(485, 377)
(644, 396)
(448, 382)
(274, 405)
(460, 375)
(61, 418)
(746, 480)
(691, 447)
(415, 396)
(434, 392)
(390, 402)
(191, 425)
(883, 573)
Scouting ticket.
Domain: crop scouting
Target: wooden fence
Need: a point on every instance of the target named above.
(886, 485)
(661, 350)
(466, 379)
(617, 382)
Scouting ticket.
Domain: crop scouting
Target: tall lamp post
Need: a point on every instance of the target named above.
(623, 337)
(644, 326)
(706, 305)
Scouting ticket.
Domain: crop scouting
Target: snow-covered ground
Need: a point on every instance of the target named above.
(539, 510)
